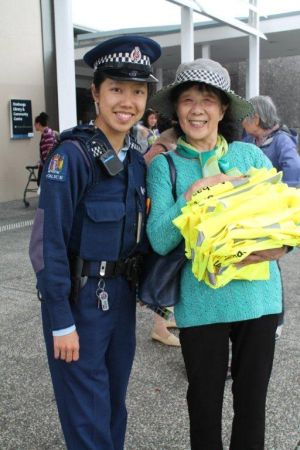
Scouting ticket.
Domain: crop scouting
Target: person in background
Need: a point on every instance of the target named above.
(146, 131)
(277, 141)
(47, 142)
(166, 141)
(86, 245)
(149, 121)
(279, 144)
(245, 312)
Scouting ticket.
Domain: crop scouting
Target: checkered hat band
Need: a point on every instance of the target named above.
(205, 77)
(121, 57)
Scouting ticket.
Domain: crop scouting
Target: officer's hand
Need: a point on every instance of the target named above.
(207, 182)
(66, 347)
(263, 255)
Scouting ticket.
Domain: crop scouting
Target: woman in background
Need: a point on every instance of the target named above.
(47, 142)
(147, 131)
(278, 143)
(166, 141)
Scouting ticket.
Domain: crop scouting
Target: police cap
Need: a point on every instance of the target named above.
(126, 58)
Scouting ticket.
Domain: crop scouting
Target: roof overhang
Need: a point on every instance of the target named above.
(216, 14)
(227, 44)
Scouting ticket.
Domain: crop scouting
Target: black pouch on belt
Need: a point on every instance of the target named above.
(76, 265)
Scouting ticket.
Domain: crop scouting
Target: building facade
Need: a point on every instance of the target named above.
(34, 68)
(22, 78)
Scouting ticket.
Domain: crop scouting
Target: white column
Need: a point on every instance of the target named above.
(252, 88)
(158, 73)
(205, 51)
(247, 80)
(187, 34)
(65, 65)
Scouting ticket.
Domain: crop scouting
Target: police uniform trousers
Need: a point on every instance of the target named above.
(206, 352)
(90, 392)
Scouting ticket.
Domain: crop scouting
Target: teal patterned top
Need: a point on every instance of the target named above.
(198, 303)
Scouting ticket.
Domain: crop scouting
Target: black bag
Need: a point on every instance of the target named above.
(160, 277)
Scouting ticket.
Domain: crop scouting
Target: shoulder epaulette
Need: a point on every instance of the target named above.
(134, 144)
(86, 140)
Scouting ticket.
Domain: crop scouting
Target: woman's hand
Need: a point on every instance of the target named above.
(263, 255)
(208, 181)
(66, 347)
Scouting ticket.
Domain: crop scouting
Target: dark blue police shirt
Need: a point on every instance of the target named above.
(95, 221)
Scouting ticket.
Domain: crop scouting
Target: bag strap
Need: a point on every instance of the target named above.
(173, 173)
(166, 149)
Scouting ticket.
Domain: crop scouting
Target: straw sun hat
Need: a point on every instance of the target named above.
(202, 71)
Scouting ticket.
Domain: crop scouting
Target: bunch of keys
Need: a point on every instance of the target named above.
(102, 295)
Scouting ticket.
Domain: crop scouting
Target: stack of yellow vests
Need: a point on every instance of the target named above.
(224, 223)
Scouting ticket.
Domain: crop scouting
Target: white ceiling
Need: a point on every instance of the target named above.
(226, 44)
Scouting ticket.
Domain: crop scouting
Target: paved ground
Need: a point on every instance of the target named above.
(156, 399)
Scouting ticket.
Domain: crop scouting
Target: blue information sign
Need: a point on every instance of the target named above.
(20, 119)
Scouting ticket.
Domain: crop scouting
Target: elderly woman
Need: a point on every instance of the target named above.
(278, 142)
(245, 312)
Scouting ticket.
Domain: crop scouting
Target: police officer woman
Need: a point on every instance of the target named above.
(85, 245)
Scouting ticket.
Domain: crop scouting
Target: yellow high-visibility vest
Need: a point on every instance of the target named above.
(224, 223)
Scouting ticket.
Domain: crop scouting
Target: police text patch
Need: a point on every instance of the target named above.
(57, 168)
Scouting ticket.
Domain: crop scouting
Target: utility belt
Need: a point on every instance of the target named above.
(129, 267)
(82, 269)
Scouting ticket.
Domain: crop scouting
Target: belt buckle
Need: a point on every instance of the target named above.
(102, 269)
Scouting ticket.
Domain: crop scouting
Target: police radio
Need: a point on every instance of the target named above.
(106, 157)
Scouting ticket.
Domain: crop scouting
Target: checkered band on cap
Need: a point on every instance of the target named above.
(204, 76)
(122, 58)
